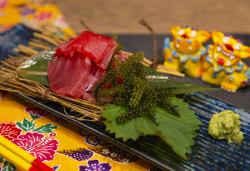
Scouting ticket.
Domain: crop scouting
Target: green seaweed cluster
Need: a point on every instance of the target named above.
(129, 87)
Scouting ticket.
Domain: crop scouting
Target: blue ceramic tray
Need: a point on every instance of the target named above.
(207, 153)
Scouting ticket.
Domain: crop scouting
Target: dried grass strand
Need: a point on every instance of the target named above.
(11, 82)
(85, 25)
(155, 58)
(47, 39)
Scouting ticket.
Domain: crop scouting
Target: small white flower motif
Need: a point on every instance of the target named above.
(237, 46)
(231, 57)
(193, 33)
(181, 32)
(225, 39)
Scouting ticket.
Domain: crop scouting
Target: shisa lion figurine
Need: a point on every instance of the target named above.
(186, 50)
(223, 65)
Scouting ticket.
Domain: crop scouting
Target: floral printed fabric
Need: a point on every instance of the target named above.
(95, 165)
(57, 143)
(52, 140)
(34, 13)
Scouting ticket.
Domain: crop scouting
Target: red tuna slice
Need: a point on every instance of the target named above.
(95, 75)
(97, 47)
(79, 64)
(69, 76)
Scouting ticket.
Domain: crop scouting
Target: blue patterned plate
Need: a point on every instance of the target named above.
(207, 153)
(212, 154)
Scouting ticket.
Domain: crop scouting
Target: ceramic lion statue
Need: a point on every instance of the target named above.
(223, 65)
(186, 51)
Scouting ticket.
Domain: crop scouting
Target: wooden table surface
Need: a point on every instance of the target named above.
(121, 16)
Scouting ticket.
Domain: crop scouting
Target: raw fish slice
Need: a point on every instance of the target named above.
(68, 76)
(97, 47)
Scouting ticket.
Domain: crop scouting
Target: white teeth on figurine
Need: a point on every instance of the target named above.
(218, 48)
(231, 57)
(181, 32)
(225, 53)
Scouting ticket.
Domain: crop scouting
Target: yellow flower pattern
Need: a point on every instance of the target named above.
(76, 147)
(34, 13)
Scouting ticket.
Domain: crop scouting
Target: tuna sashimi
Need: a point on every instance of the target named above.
(79, 64)
(68, 75)
(97, 47)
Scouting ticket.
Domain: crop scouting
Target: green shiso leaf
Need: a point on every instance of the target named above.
(125, 131)
(177, 86)
(36, 68)
(177, 131)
